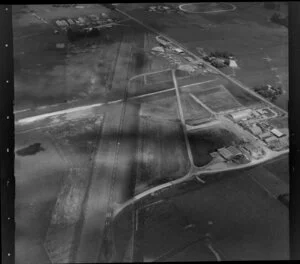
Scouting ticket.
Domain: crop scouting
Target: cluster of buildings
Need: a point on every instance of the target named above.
(238, 154)
(84, 21)
(255, 122)
(161, 9)
(177, 56)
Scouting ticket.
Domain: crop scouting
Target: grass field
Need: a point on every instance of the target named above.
(241, 231)
(68, 148)
(238, 232)
(38, 181)
(218, 99)
(193, 110)
(162, 153)
(208, 140)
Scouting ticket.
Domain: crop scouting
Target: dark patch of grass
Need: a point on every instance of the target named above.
(207, 141)
(30, 150)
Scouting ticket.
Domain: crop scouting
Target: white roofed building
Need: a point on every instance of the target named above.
(241, 114)
(277, 133)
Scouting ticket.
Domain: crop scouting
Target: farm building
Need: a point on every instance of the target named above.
(158, 49)
(255, 130)
(241, 114)
(162, 41)
(232, 64)
(225, 153)
(268, 112)
(265, 135)
(277, 133)
(253, 151)
(255, 113)
(234, 151)
(70, 21)
(186, 67)
(178, 50)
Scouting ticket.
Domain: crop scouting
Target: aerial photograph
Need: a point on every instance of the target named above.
(151, 132)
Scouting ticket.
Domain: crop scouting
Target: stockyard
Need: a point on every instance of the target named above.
(122, 116)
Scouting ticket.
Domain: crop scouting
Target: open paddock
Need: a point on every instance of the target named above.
(162, 154)
(137, 87)
(159, 112)
(192, 110)
(218, 99)
(242, 96)
(159, 77)
(195, 78)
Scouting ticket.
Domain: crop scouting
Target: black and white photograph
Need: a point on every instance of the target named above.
(151, 132)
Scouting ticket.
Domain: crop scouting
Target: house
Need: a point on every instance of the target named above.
(277, 133)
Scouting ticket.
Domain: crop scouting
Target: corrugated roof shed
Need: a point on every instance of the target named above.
(235, 151)
(225, 153)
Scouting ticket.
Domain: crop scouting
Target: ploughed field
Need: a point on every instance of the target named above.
(162, 154)
(173, 228)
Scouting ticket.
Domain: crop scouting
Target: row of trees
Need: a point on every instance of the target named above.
(74, 35)
(269, 92)
(221, 54)
(276, 18)
(272, 5)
